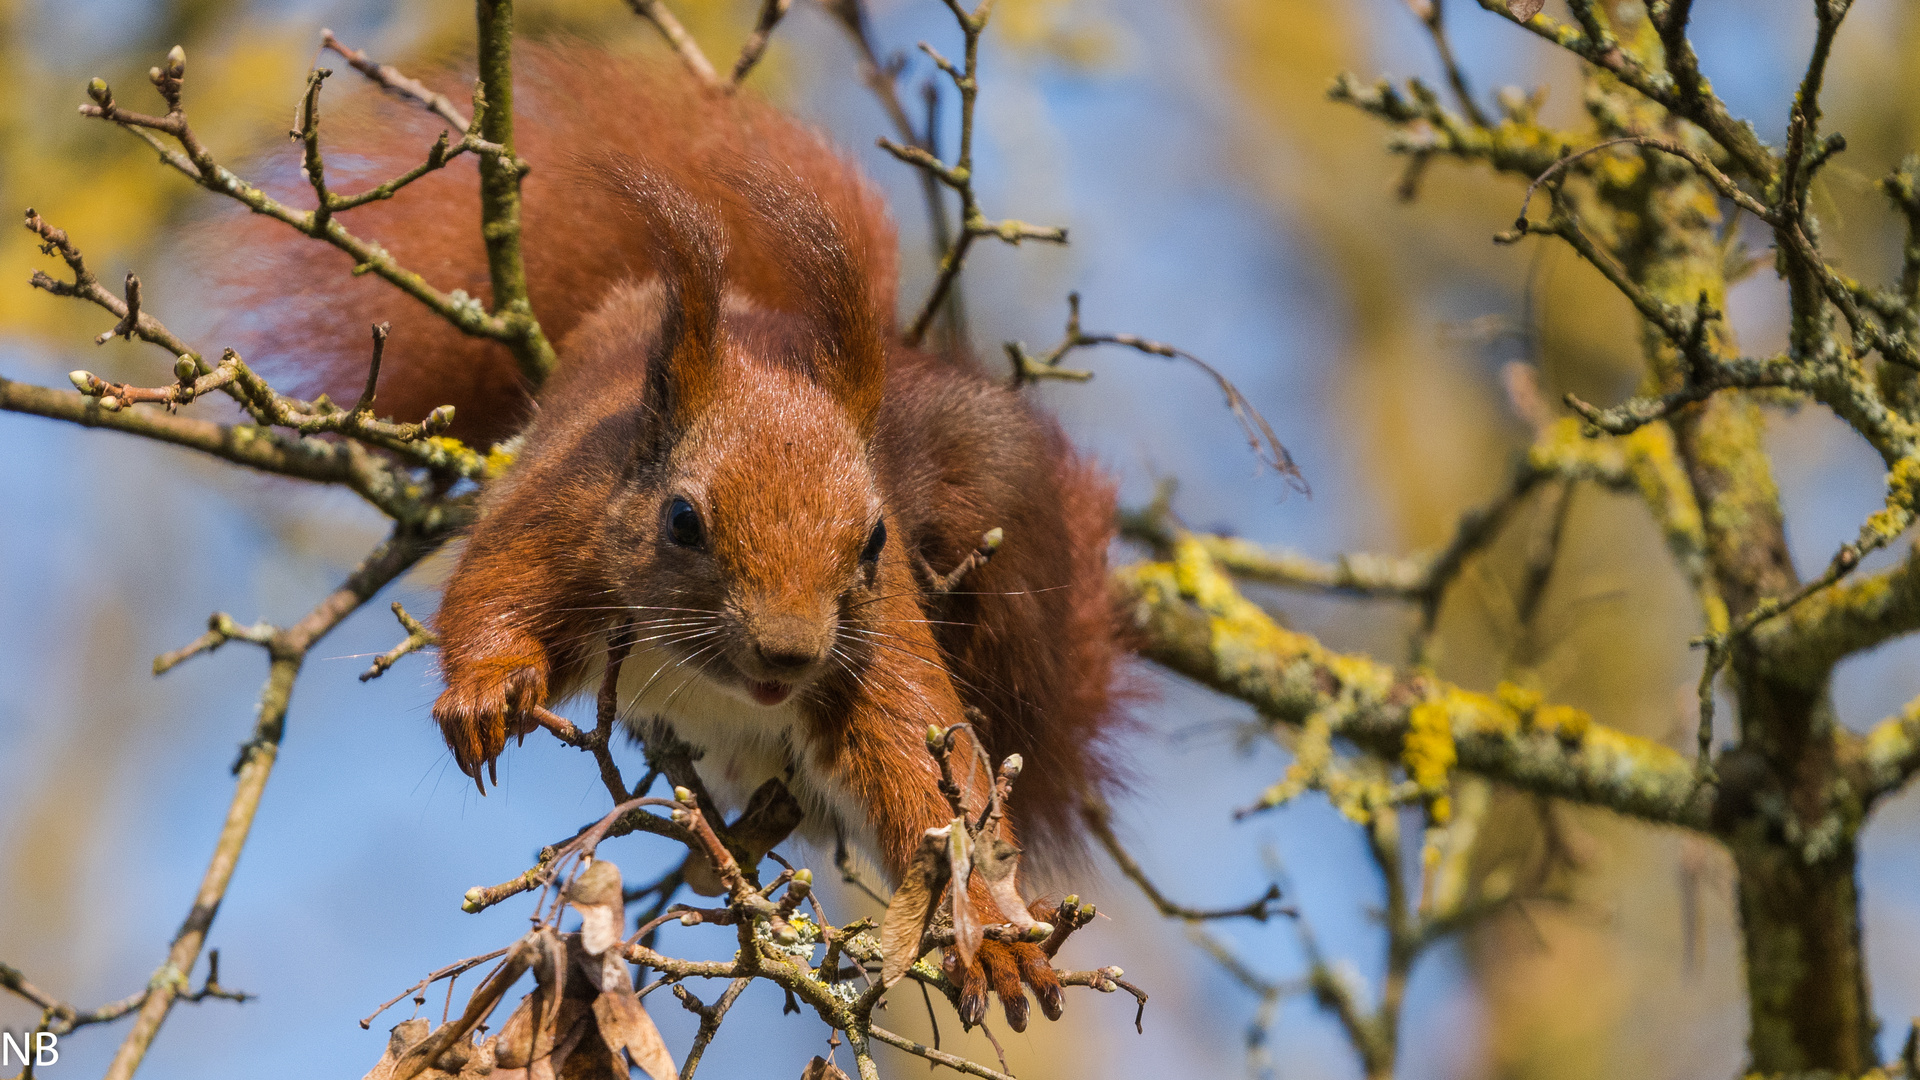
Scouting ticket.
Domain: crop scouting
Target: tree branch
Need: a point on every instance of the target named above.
(1195, 622)
(287, 650)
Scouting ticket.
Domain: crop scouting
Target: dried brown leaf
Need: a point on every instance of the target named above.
(771, 815)
(997, 862)
(1525, 9)
(538, 1028)
(454, 1058)
(967, 929)
(701, 877)
(574, 1022)
(592, 1059)
(905, 922)
(624, 1023)
(539, 1036)
(514, 1048)
(424, 1053)
(596, 895)
(403, 1037)
(607, 971)
(481, 1064)
(822, 1069)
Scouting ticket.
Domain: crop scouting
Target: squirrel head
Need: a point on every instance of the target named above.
(754, 525)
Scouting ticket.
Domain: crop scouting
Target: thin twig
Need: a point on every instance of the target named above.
(1099, 822)
(771, 12)
(959, 175)
(418, 637)
(663, 20)
(288, 650)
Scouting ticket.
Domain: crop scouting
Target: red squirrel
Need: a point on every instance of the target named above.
(738, 457)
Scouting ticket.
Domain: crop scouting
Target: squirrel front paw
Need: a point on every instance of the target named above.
(484, 704)
(1004, 968)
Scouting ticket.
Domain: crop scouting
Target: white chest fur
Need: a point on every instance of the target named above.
(742, 744)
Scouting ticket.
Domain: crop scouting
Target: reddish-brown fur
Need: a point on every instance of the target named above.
(721, 284)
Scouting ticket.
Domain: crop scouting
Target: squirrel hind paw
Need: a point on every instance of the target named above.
(1009, 970)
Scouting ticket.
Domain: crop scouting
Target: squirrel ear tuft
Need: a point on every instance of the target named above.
(688, 245)
(811, 242)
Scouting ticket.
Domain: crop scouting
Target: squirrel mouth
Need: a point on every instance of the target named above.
(769, 693)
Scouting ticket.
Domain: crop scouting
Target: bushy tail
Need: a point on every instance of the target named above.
(581, 116)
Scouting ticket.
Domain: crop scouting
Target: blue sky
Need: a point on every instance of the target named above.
(114, 550)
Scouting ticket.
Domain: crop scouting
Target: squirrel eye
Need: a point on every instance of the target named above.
(683, 524)
(875, 541)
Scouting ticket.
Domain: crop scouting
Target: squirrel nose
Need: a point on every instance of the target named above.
(785, 660)
(789, 643)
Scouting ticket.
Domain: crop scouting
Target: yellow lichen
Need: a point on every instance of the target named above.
(1241, 629)
(1564, 448)
(1312, 753)
(499, 459)
(1893, 740)
(1903, 488)
(1518, 698)
(1429, 754)
(1478, 712)
(1565, 721)
(1360, 676)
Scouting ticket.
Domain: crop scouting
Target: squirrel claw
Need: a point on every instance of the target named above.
(477, 711)
(1036, 967)
(1005, 968)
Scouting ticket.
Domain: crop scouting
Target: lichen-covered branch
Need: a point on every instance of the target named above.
(1194, 620)
(343, 462)
(1688, 97)
(1891, 751)
(1803, 645)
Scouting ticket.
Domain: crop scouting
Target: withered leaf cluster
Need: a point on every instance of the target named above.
(949, 855)
(582, 1021)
